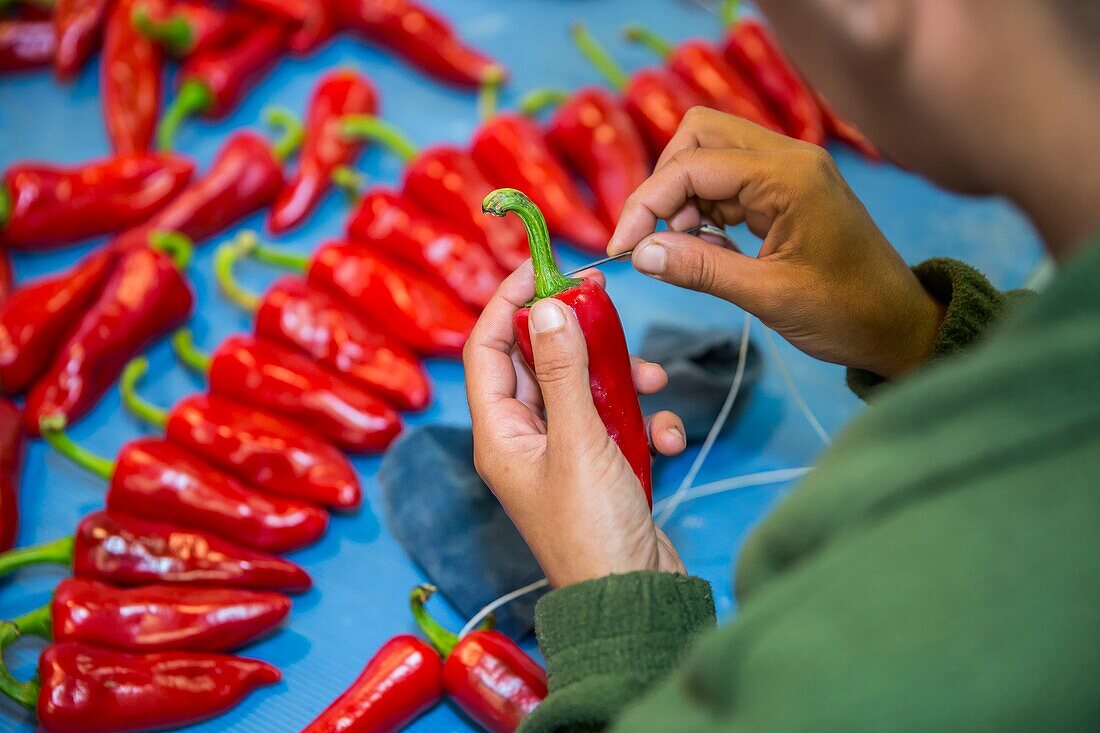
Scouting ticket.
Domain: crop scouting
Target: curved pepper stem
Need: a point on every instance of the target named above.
(175, 34)
(5, 206)
(598, 56)
(35, 623)
(730, 12)
(194, 97)
(640, 34)
(444, 641)
(537, 100)
(175, 245)
(488, 98)
(225, 257)
(58, 552)
(369, 127)
(548, 278)
(280, 258)
(135, 403)
(350, 181)
(291, 136)
(53, 432)
(183, 343)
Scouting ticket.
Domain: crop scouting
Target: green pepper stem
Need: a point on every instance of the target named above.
(291, 132)
(444, 641)
(730, 12)
(174, 34)
(649, 39)
(5, 206)
(24, 693)
(537, 100)
(598, 56)
(194, 97)
(183, 343)
(58, 552)
(135, 403)
(548, 278)
(175, 245)
(350, 181)
(225, 257)
(488, 98)
(280, 258)
(376, 130)
(53, 432)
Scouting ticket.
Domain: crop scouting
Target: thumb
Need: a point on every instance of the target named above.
(561, 367)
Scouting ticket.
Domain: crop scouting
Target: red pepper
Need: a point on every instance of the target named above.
(11, 468)
(154, 479)
(157, 618)
(273, 377)
(296, 12)
(146, 296)
(272, 454)
(844, 131)
(592, 133)
(325, 148)
(79, 28)
(36, 319)
(131, 74)
(316, 29)
(422, 37)
(7, 280)
(26, 44)
(400, 682)
(125, 550)
(187, 27)
(43, 206)
(213, 82)
(485, 672)
(608, 359)
(297, 315)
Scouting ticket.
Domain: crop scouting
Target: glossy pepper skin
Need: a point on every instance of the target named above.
(420, 36)
(321, 25)
(608, 359)
(26, 44)
(78, 26)
(485, 672)
(326, 148)
(400, 682)
(36, 319)
(187, 27)
(44, 206)
(388, 222)
(144, 297)
(131, 77)
(12, 450)
(294, 11)
(155, 618)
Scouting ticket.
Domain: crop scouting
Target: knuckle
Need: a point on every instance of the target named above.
(556, 367)
(699, 269)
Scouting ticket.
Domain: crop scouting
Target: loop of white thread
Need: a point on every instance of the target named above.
(793, 389)
(494, 605)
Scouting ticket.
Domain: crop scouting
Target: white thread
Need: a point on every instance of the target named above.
(762, 478)
(494, 605)
(798, 399)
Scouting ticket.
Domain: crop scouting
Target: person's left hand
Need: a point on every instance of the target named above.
(541, 447)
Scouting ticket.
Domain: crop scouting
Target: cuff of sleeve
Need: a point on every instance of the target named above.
(972, 305)
(636, 625)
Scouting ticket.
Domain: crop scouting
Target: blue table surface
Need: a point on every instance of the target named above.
(361, 574)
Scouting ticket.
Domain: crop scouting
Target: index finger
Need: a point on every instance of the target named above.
(703, 127)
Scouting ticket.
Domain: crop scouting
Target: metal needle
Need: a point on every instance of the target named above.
(710, 229)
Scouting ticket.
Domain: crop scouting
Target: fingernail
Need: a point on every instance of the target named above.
(650, 258)
(546, 316)
(678, 435)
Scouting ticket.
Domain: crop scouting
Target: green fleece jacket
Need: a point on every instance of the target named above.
(939, 570)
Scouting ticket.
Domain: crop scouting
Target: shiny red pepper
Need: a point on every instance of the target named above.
(146, 296)
(400, 682)
(36, 319)
(321, 25)
(273, 377)
(131, 75)
(295, 12)
(325, 148)
(295, 314)
(422, 37)
(485, 672)
(187, 27)
(125, 550)
(155, 479)
(79, 27)
(43, 206)
(847, 133)
(593, 134)
(608, 359)
(7, 279)
(272, 454)
(388, 222)
(11, 469)
(26, 44)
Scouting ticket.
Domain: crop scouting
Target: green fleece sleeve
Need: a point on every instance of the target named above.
(607, 641)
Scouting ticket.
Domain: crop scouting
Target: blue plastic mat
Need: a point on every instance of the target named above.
(362, 577)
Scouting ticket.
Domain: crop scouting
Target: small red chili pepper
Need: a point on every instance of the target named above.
(485, 672)
(400, 682)
(146, 296)
(125, 550)
(422, 37)
(26, 44)
(847, 133)
(7, 282)
(296, 12)
(325, 148)
(592, 133)
(188, 27)
(656, 99)
(212, 83)
(320, 26)
(11, 468)
(43, 206)
(131, 75)
(295, 314)
(273, 377)
(272, 454)
(79, 28)
(36, 318)
(608, 359)
(155, 478)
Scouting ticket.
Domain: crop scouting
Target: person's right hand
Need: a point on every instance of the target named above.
(825, 278)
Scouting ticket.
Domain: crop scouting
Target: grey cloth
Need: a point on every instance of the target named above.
(449, 522)
(700, 366)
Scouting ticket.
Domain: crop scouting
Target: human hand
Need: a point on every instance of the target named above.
(541, 447)
(826, 278)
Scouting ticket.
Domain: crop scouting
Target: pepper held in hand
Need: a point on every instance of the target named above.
(608, 359)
